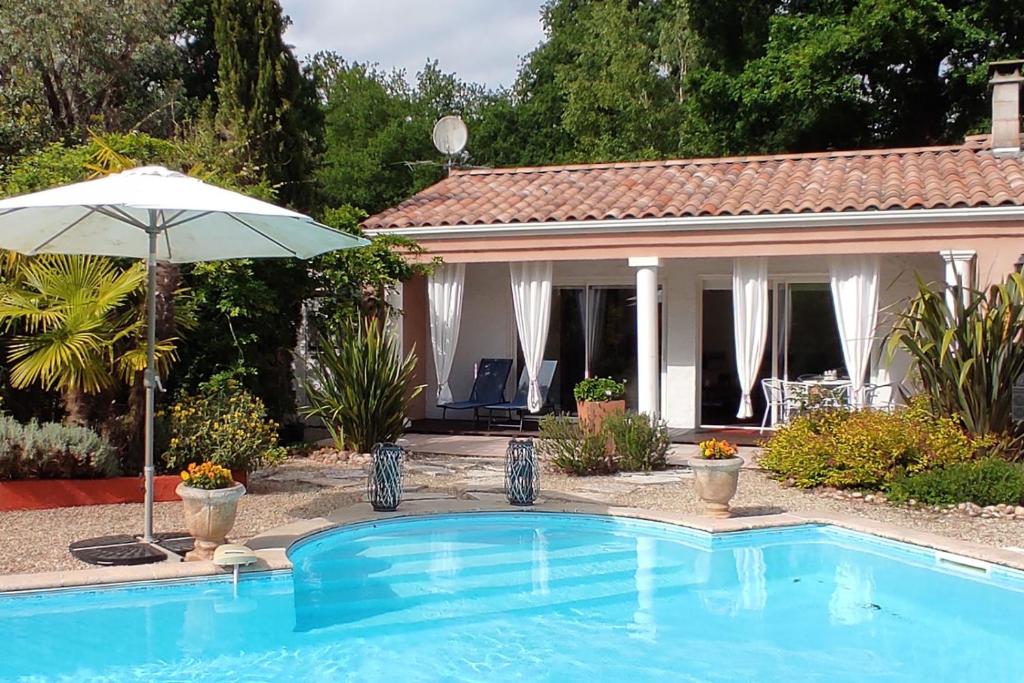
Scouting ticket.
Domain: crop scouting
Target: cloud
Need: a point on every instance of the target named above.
(480, 40)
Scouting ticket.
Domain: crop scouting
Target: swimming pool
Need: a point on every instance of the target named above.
(544, 597)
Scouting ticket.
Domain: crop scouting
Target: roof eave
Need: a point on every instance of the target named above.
(842, 219)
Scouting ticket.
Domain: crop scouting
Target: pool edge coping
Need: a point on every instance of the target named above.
(272, 547)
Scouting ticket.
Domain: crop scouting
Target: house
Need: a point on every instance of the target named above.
(694, 279)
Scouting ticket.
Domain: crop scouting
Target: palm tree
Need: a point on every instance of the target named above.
(77, 326)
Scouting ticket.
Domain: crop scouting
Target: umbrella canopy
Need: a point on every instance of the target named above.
(111, 216)
(155, 214)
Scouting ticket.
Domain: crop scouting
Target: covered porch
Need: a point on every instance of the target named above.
(667, 327)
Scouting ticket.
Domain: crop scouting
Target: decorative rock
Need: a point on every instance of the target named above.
(912, 502)
(856, 494)
(1019, 510)
(869, 498)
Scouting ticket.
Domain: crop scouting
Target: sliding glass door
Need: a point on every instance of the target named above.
(803, 339)
(592, 333)
(808, 342)
(720, 382)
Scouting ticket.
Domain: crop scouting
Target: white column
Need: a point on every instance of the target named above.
(959, 270)
(647, 333)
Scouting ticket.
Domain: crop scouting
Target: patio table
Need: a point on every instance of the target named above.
(834, 393)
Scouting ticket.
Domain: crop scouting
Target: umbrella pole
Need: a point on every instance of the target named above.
(150, 377)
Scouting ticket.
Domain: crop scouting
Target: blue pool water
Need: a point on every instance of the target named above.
(542, 597)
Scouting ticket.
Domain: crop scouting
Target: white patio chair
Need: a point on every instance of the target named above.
(880, 397)
(783, 400)
(774, 398)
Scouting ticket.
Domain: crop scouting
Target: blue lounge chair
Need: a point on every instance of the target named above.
(519, 403)
(488, 387)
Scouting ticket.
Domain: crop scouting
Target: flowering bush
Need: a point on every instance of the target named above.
(599, 389)
(207, 476)
(716, 449)
(869, 448)
(224, 424)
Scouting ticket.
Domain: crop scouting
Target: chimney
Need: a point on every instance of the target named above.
(1005, 79)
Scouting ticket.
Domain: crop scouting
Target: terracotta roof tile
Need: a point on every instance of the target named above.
(968, 175)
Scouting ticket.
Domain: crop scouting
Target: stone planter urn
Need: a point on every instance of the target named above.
(715, 482)
(209, 516)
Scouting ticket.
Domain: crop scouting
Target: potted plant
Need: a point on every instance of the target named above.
(716, 472)
(597, 398)
(210, 497)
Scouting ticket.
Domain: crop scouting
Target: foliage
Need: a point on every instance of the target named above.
(377, 129)
(264, 100)
(716, 449)
(867, 448)
(208, 476)
(967, 358)
(988, 481)
(353, 282)
(641, 442)
(53, 451)
(571, 449)
(77, 324)
(631, 79)
(630, 442)
(224, 424)
(71, 64)
(599, 389)
(360, 386)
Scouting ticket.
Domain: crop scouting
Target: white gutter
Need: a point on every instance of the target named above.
(843, 219)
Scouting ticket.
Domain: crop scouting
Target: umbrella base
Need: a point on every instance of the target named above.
(121, 550)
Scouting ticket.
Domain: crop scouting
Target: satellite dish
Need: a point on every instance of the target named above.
(450, 135)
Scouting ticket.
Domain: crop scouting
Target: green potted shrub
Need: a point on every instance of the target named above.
(210, 497)
(716, 472)
(597, 398)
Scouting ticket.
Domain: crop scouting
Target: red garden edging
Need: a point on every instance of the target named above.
(43, 494)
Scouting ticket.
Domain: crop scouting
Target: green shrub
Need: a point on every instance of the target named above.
(361, 386)
(867, 448)
(641, 444)
(224, 424)
(988, 481)
(571, 449)
(599, 389)
(52, 450)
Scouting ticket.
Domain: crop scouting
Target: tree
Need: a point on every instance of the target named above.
(859, 73)
(107, 64)
(377, 145)
(264, 99)
(75, 326)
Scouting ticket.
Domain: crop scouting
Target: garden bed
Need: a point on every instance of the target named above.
(44, 494)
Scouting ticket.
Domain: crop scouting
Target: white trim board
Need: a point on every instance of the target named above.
(843, 219)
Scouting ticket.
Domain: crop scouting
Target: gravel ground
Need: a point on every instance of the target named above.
(34, 541)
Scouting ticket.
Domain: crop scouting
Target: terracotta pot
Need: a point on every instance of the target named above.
(593, 413)
(209, 516)
(715, 481)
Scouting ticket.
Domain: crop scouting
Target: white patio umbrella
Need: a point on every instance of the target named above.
(155, 214)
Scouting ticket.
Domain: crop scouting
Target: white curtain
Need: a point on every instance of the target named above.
(531, 297)
(595, 325)
(854, 282)
(444, 292)
(750, 323)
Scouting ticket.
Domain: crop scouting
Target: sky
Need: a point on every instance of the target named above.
(480, 40)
